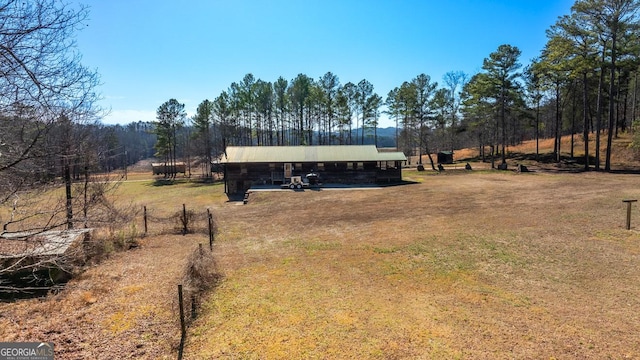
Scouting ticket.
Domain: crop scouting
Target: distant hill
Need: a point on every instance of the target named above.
(386, 136)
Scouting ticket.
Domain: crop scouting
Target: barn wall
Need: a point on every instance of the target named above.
(240, 177)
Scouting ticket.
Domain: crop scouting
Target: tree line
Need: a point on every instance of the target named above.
(583, 83)
(588, 70)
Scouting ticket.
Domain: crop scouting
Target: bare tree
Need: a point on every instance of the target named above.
(41, 80)
(43, 86)
(455, 81)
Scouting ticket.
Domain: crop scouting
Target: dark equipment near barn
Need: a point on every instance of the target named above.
(314, 178)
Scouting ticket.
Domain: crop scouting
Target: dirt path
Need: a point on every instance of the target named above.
(124, 308)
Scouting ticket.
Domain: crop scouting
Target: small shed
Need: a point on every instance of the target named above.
(169, 168)
(445, 157)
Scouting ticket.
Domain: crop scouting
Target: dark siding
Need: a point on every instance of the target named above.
(240, 177)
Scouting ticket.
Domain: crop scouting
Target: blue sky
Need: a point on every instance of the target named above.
(149, 51)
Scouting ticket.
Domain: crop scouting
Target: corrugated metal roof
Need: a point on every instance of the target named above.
(323, 153)
(391, 156)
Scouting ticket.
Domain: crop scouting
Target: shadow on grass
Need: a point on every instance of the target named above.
(542, 158)
(401, 183)
(240, 197)
(547, 161)
(550, 158)
(235, 197)
(191, 182)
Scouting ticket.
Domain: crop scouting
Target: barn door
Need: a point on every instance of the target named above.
(287, 170)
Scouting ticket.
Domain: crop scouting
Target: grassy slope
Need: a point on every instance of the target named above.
(622, 156)
(125, 307)
(479, 265)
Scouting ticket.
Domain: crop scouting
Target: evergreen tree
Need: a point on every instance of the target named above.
(329, 83)
(614, 19)
(203, 125)
(501, 68)
(281, 106)
(170, 117)
(298, 93)
(363, 93)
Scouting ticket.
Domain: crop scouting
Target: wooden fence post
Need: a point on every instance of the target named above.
(629, 212)
(183, 329)
(145, 219)
(210, 230)
(184, 219)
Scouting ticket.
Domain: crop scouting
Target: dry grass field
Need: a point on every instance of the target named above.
(457, 265)
(124, 308)
(465, 265)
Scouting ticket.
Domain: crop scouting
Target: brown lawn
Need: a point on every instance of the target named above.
(473, 265)
(125, 308)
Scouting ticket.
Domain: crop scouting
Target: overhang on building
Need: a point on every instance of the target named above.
(347, 164)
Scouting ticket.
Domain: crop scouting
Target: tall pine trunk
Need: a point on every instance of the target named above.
(573, 115)
(556, 145)
(585, 131)
(503, 120)
(537, 132)
(612, 97)
(599, 109)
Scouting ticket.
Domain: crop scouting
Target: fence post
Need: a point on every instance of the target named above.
(183, 329)
(629, 212)
(145, 219)
(184, 219)
(210, 230)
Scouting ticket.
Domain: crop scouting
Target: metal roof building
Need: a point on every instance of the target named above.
(301, 154)
(245, 166)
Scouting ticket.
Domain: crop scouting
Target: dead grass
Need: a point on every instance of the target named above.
(123, 308)
(476, 265)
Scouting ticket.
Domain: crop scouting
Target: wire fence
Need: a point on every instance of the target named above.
(183, 221)
(200, 274)
(201, 271)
